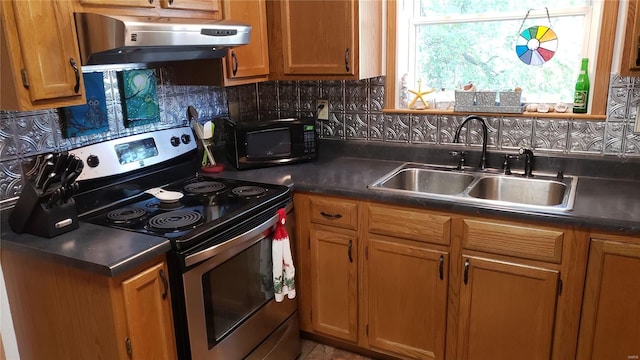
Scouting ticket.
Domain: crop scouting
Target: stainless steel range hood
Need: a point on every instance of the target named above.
(120, 40)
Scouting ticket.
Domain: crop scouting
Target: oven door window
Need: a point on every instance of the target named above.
(237, 288)
(269, 143)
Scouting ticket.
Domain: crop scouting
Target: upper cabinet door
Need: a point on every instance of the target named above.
(630, 61)
(126, 3)
(199, 5)
(41, 41)
(318, 37)
(253, 59)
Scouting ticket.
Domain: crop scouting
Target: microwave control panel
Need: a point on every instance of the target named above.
(309, 139)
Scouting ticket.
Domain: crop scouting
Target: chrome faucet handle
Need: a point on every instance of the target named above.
(461, 160)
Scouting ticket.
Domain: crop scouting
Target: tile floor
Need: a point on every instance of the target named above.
(313, 351)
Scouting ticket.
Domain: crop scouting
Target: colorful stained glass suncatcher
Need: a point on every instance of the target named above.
(536, 45)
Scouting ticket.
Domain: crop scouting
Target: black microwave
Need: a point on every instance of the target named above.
(272, 142)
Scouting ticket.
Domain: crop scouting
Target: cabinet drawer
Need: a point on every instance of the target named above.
(334, 212)
(410, 224)
(519, 240)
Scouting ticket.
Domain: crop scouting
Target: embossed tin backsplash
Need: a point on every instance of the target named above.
(355, 114)
(23, 135)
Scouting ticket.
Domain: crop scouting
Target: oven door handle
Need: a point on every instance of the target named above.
(245, 239)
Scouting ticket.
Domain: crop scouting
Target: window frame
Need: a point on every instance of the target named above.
(601, 71)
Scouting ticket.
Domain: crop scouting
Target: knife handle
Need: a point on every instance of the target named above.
(54, 198)
(48, 181)
(45, 170)
(61, 163)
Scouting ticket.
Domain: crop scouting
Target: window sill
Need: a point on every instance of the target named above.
(526, 114)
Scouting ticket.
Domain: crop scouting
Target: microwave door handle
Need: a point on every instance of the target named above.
(245, 239)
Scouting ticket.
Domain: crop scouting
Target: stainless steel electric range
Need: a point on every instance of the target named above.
(220, 230)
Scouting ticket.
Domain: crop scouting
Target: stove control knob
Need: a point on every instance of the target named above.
(186, 138)
(175, 141)
(93, 161)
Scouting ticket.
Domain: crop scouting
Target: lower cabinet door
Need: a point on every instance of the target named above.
(407, 298)
(148, 314)
(507, 310)
(610, 324)
(334, 282)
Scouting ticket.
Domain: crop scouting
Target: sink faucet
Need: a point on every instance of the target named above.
(528, 161)
(528, 156)
(456, 138)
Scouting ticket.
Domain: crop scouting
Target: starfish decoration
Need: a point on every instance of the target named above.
(419, 95)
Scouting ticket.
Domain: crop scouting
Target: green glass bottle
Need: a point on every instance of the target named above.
(581, 95)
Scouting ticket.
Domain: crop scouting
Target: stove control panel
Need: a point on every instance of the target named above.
(119, 156)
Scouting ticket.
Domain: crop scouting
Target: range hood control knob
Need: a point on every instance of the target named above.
(93, 161)
(175, 141)
(186, 138)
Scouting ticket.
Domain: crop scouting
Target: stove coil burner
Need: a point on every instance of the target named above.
(248, 191)
(175, 220)
(126, 215)
(167, 206)
(205, 187)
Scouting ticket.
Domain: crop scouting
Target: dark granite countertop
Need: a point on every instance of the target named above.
(94, 248)
(601, 204)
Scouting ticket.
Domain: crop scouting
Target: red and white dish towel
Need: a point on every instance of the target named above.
(283, 270)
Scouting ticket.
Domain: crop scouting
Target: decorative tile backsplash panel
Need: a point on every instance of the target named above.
(23, 135)
(355, 114)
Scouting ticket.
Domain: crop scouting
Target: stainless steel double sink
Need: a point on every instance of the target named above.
(542, 191)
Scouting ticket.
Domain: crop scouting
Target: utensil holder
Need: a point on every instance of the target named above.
(202, 153)
(32, 215)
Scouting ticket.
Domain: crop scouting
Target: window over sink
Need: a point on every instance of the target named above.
(449, 43)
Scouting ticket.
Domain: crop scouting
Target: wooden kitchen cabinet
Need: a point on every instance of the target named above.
(334, 282)
(407, 274)
(329, 305)
(198, 5)
(148, 313)
(39, 57)
(63, 312)
(124, 3)
(168, 8)
(438, 285)
(611, 308)
(630, 60)
(248, 63)
(520, 287)
(337, 39)
(507, 310)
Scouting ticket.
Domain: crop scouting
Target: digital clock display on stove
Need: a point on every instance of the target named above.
(136, 150)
